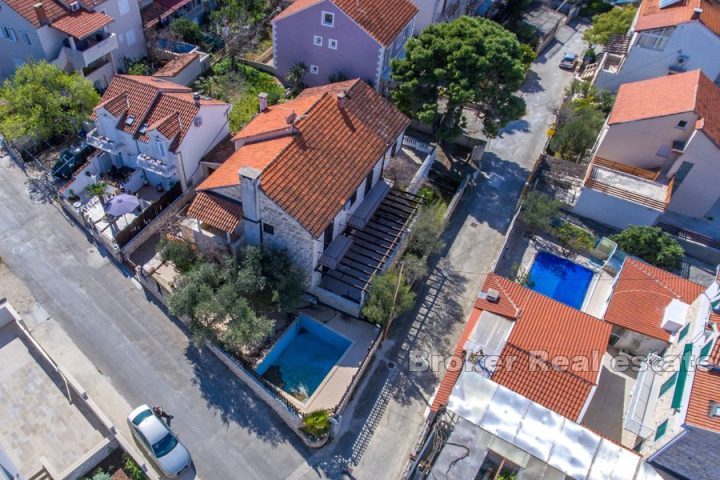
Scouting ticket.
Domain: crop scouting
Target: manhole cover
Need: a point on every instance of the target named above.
(391, 365)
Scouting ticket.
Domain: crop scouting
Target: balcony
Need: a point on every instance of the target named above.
(101, 142)
(642, 404)
(644, 187)
(82, 53)
(154, 165)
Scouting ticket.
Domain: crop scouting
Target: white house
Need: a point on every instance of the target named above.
(436, 11)
(659, 151)
(92, 38)
(308, 174)
(158, 129)
(667, 36)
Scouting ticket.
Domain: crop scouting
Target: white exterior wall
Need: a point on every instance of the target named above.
(700, 45)
(637, 143)
(127, 25)
(431, 11)
(19, 51)
(701, 187)
(613, 211)
(199, 140)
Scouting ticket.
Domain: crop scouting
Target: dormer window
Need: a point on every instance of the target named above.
(143, 128)
(328, 19)
(714, 409)
(129, 120)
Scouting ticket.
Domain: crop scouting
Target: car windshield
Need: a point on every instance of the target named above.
(569, 56)
(141, 416)
(164, 446)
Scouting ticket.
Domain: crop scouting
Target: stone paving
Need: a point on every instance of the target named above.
(36, 418)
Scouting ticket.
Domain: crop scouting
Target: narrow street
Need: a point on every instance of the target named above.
(232, 434)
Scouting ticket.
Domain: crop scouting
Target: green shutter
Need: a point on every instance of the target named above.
(706, 350)
(668, 384)
(661, 430)
(682, 375)
(684, 332)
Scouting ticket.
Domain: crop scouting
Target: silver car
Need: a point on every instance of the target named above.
(159, 442)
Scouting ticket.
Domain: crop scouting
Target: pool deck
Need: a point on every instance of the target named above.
(332, 389)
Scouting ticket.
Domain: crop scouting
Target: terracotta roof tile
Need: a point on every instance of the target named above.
(651, 16)
(53, 9)
(255, 155)
(176, 65)
(670, 95)
(641, 294)
(331, 153)
(151, 14)
(153, 102)
(541, 325)
(705, 388)
(382, 19)
(218, 212)
(81, 23)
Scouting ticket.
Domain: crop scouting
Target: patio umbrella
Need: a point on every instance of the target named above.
(121, 204)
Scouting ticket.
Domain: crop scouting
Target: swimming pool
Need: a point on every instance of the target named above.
(302, 357)
(559, 278)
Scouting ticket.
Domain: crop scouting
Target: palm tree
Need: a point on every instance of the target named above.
(296, 75)
(97, 190)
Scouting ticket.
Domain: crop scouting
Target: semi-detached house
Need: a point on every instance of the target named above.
(666, 37)
(355, 38)
(307, 176)
(91, 37)
(657, 157)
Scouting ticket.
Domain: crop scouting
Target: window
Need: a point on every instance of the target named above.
(655, 39)
(160, 149)
(9, 34)
(714, 409)
(668, 384)
(662, 428)
(663, 151)
(269, 229)
(130, 37)
(681, 124)
(332, 43)
(328, 19)
(26, 38)
(129, 120)
(317, 40)
(314, 69)
(353, 198)
(683, 333)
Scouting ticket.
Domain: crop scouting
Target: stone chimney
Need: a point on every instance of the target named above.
(249, 179)
(291, 118)
(696, 13)
(41, 14)
(196, 98)
(341, 98)
(262, 97)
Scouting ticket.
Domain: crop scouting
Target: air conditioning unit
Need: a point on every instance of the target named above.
(75, 6)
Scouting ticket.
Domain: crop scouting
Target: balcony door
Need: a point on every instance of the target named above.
(328, 235)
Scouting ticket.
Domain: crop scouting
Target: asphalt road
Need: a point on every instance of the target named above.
(232, 434)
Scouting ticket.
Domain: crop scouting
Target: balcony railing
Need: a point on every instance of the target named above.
(89, 50)
(636, 185)
(154, 165)
(101, 142)
(642, 404)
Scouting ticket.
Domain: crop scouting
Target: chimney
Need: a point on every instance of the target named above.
(41, 15)
(196, 98)
(696, 13)
(341, 97)
(291, 118)
(249, 180)
(262, 97)
(492, 295)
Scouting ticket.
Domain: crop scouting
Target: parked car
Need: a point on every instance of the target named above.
(70, 160)
(159, 442)
(568, 61)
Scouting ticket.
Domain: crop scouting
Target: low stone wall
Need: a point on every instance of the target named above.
(337, 302)
(263, 67)
(357, 378)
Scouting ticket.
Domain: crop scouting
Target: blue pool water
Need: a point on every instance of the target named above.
(559, 278)
(302, 357)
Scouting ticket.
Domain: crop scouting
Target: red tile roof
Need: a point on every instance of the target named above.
(641, 294)
(176, 65)
(81, 23)
(314, 169)
(651, 16)
(168, 107)
(382, 19)
(542, 325)
(53, 10)
(216, 211)
(670, 95)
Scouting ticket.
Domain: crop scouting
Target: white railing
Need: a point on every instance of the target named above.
(419, 145)
(102, 142)
(154, 165)
(642, 400)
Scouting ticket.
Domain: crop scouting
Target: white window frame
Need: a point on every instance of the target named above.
(656, 39)
(322, 19)
(160, 148)
(314, 69)
(9, 33)
(332, 44)
(317, 40)
(26, 37)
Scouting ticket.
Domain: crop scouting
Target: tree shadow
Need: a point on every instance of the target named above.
(41, 189)
(235, 402)
(514, 127)
(532, 83)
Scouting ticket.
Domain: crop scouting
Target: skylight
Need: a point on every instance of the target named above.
(130, 119)
(143, 128)
(667, 3)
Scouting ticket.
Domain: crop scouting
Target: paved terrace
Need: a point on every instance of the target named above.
(37, 420)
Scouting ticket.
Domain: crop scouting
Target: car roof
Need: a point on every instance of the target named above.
(570, 55)
(152, 428)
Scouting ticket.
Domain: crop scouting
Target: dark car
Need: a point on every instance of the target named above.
(568, 61)
(70, 160)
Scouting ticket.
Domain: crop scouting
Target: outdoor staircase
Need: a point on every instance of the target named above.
(41, 474)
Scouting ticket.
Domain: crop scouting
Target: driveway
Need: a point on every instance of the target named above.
(232, 434)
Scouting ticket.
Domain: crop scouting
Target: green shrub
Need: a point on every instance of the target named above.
(574, 237)
(317, 424)
(132, 469)
(424, 238)
(180, 252)
(187, 30)
(652, 245)
(538, 211)
(428, 193)
(388, 297)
